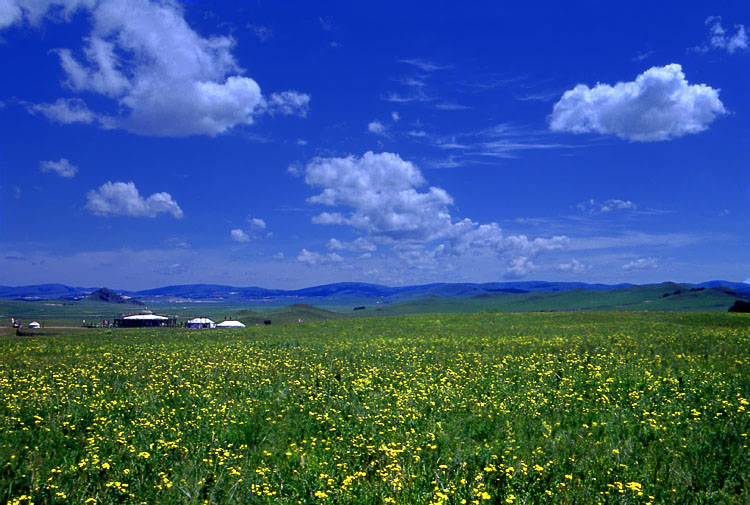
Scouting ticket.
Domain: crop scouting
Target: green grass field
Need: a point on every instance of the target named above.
(568, 408)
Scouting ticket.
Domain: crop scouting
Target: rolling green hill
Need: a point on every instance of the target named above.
(665, 296)
(291, 314)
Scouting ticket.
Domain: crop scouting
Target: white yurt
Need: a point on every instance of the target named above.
(34, 324)
(200, 322)
(137, 320)
(230, 324)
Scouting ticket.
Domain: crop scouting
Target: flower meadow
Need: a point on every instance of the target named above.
(568, 408)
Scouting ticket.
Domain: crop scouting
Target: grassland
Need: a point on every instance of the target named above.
(661, 297)
(594, 407)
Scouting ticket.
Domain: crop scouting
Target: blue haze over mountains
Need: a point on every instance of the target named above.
(338, 291)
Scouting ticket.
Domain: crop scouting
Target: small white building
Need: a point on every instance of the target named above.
(34, 324)
(145, 320)
(200, 323)
(230, 324)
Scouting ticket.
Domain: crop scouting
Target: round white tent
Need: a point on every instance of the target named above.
(145, 317)
(200, 322)
(230, 324)
(34, 324)
(141, 320)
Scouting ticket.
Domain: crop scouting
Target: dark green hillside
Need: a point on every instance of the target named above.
(665, 296)
(291, 314)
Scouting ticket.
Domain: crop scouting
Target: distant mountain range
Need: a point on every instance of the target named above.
(328, 292)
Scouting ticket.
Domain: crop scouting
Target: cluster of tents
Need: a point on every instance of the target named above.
(146, 318)
(204, 322)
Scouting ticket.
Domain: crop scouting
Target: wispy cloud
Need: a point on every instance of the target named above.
(592, 206)
(415, 84)
(503, 140)
(452, 106)
(262, 32)
(451, 144)
(488, 83)
(412, 81)
(631, 239)
(415, 95)
(720, 39)
(541, 96)
(644, 55)
(172, 269)
(424, 65)
(510, 150)
(177, 242)
(449, 162)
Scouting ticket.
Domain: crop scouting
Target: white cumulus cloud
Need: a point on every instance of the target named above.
(376, 127)
(359, 244)
(238, 235)
(123, 199)
(574, 266)
(61, 167)
(659, 105)
(165, 79)
(312, 258)
(381, 190)
(254, 231)
(379, 195)
(256, 223)
(640, 264)
(520, 267)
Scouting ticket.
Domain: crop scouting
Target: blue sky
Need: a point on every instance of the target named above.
(287, 144)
